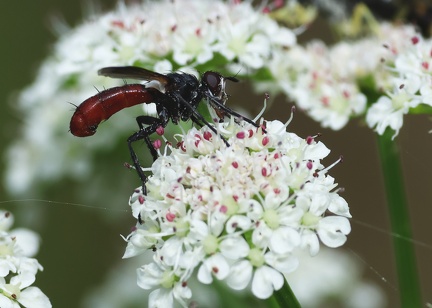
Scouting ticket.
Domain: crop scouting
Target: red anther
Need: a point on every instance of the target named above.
(181, 146)
(207, 135)
(157, 144)
(170, 217)
(160, 130)
(325, 100)
(118, 23)
(240, 135)
(141, 199)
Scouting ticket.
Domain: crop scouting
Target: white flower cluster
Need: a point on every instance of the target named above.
(158, 35)
(324, 81)
(17, 268)
(236, 213)
(409, 84)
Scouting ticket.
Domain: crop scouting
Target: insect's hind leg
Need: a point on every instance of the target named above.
(144, 134)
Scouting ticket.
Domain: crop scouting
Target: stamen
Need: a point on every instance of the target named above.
(293, 109)
(340, 160)
(266, 97)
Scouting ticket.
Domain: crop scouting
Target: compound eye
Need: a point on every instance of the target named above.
(214, 82)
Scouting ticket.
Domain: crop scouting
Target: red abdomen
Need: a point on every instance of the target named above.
(103, 105)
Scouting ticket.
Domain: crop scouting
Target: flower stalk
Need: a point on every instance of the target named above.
(409, 287)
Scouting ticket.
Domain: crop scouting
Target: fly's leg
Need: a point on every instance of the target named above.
(144, 134)
(213, 129)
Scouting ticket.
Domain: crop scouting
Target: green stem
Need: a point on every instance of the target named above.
(409, 287)
(283, 298)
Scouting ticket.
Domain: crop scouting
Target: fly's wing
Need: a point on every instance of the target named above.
(133, 72)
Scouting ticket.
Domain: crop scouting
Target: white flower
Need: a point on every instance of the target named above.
(234, 213)
(18, 292)
(407, 84)
(168, 275)
(16, 247)
(317, 81)
(325, 81)
(389, 110)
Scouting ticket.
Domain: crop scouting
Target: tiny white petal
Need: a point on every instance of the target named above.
(284, 240)
(283, 263)
(33, 297)
(332, 230)
(7, 303)
(234, 247)
(238, 222)
(215, 265)
(161, 298)
(240, 275)
(27, 240)
(265, 280)
(149, 276)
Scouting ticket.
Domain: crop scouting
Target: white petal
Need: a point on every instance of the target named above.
(23, 279)
(283, 263)
(284, 240)
(7, 303)
(237, 222)
(33, 297)
(6, 220)
(132, 251)
(161, 298)
(149, 276)
(339, 206)
(240, 275)
(332, 230)
(261, 235)
(253, 209)
(215, 265)
(198, 229)
(309, 238)
(5, 267)
(234, 247)
(171, 251)
(181, 291)
(266, 279)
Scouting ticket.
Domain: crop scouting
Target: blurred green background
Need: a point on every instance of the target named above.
(80, 244)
